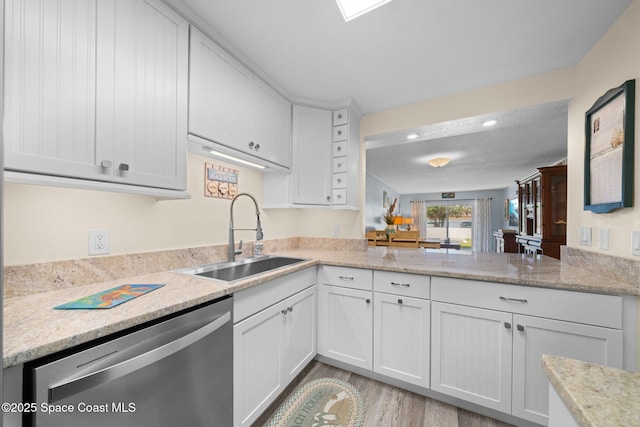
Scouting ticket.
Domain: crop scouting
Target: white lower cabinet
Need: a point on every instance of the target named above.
(270, 348)
(401, 330)
(471, 354)
(491, 355)
(346, 325)
(533, 337)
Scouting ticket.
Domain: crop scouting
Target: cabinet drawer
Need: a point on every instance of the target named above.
(339, 180)
(580, 307)
(339, 164)
(348, 277)
(340, 117)
(340, 133)
(339, 196)
(411, 285)
(339, 148)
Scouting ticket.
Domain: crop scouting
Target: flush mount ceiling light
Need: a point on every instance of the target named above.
(351, 9)
(489, 123)
(438, 162)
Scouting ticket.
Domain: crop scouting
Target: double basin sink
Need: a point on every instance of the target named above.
(241, 268)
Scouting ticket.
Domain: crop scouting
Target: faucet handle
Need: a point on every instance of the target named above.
(239, 250)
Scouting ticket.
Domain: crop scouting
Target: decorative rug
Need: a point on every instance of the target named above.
(319, 403)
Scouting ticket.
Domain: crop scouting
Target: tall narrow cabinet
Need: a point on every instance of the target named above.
(542, 201)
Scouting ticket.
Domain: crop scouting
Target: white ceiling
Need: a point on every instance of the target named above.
(409, 51)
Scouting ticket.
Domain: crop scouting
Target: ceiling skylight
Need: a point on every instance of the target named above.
(351, 9)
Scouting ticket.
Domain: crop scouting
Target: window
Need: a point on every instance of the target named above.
(450, 223)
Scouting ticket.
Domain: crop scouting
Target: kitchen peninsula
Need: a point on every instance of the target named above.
(33, 329)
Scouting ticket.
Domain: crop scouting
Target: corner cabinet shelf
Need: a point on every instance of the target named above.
(542, 201)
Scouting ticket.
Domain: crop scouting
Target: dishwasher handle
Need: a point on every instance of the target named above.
(69, 387)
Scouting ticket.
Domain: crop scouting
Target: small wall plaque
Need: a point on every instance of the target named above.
(220, 182)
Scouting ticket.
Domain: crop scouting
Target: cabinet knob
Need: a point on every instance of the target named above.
(290, 309)
(399, 301)
(520, 328)
(368, 301)
(339, 180)
(284, 312)
(123, 167)
(339, 165)
(106, 164)
(507, 325)
(339, 115)
(328, 198)
(339, 196)
(339, 132)
(339, 148)
(251, 144)
(257, 147)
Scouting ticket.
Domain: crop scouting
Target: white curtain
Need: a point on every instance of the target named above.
(419, 215)
(482, 225)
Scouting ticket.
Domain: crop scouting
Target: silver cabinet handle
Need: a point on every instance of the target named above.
(339, 116)
(124, 166)
(70, 386)
(404, 285)
(346, 277)
(106, 164)
(284, 312)
(507, 325)
(290, 309)
(368, 301)
(399, 301)
(339, 148)
(522, 300)
(520, 328)
(257, 147)
(339, 132)
(339, 180)
(251, 144)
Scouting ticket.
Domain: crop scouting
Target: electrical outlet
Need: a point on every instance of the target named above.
(585, 236)
(604, 239)
(99, 242)
(635, 243)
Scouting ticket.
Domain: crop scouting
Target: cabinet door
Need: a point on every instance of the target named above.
(271, 124)
(219, 94)
(300, 335)
(50, 81)
(401, 338)
(258, 351)
(311, 167)
(346, 325)
(533, 337)
(142, 67)
(471, 354)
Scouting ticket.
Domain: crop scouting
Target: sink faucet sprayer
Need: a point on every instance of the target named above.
(232, 250)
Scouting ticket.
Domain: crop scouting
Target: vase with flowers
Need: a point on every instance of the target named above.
(389, 217)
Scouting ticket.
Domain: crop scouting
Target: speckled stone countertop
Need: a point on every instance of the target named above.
(32, 328)
(596, 395)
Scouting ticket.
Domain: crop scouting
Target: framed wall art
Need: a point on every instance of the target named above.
(609, 146)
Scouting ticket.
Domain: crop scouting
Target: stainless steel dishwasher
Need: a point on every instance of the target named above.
(177, 371)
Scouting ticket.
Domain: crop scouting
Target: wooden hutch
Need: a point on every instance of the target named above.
(542, 205)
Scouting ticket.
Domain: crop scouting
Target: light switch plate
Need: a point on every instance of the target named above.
(604, 239)
(585, 236)
(635, 243)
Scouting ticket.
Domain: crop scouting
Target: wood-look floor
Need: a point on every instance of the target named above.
(386, 405)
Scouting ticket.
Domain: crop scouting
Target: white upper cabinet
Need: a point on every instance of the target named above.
(271, 124)
(97, 90)
(50, 81)
(145, 117)
(219, 94)
(231, 108)
(311, 169)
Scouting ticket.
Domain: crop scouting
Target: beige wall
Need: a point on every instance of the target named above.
(610, 63)
(44, 224)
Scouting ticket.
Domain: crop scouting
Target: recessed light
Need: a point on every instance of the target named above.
(489, 123)
(412, 136)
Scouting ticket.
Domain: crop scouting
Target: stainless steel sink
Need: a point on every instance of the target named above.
(241, 268)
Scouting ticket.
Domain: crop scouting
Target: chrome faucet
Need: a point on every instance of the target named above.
(232, 249)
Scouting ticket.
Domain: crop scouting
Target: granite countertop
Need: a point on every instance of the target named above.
(32, 328)
(596, 395)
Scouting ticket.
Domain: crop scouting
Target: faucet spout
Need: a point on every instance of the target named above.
(231, 252)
